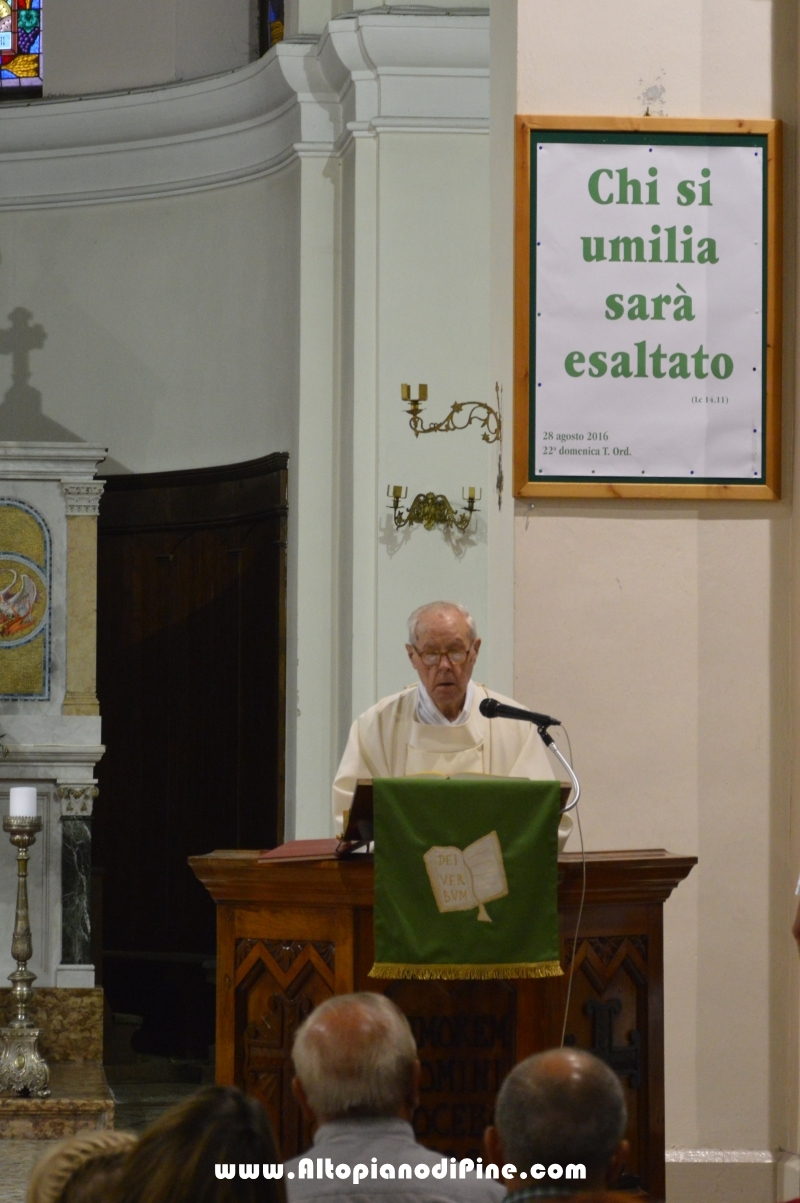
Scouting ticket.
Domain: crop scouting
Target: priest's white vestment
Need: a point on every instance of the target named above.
(388, 740)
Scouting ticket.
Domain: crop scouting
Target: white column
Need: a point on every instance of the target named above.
(362, 166)
(82, 500)
(503, 106)
(313, 504)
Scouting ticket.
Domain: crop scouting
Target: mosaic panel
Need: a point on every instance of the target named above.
(25, 574)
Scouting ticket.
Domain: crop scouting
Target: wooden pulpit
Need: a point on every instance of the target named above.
(292, 934)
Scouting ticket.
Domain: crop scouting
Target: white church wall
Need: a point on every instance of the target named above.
(660, 633)
(433, 287)
(608, 640)
(171, 325)
(94, 46)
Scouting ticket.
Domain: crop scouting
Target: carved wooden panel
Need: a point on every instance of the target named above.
(466, 1034)
(608, 1016)
(277, 983)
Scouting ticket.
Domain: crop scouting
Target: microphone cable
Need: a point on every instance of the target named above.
(580, 908)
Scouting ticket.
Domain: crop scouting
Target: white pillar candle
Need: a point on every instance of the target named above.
(22, 800)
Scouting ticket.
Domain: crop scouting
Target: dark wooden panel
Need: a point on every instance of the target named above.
(608, 1016)
(465, 1034)
(197, 497)
(191, 634)
(278, 983)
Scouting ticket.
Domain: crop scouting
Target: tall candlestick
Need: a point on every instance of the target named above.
(22, 800)
(22, 1067)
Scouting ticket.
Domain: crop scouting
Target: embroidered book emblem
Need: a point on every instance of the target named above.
(464, 880)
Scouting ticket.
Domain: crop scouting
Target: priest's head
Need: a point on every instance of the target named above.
(443, 647)
(355, 1057)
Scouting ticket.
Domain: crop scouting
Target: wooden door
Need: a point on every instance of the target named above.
(191, 681)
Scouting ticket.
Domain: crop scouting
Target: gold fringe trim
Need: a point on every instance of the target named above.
(390, 969)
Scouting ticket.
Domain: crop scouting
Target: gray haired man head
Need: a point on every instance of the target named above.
(435, 725)
(356, 1080)
(355, 1057)
(563, 1109)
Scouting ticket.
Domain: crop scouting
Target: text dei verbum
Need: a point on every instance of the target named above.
(320, 1168)
(668, 245)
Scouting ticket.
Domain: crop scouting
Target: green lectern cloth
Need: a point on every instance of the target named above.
(465, 878)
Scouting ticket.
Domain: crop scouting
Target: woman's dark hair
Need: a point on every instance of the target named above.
(176, 1158)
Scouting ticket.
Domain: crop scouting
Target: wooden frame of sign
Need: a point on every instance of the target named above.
(679, 411)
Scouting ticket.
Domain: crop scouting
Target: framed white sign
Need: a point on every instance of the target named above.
(647, 308)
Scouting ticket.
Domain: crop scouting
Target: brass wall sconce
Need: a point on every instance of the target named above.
(490, 421)
(432, 509)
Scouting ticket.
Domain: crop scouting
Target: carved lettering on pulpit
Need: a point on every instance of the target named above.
(466, 1037)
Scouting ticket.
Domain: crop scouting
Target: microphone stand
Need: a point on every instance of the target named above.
(494, 708)
(550, 743)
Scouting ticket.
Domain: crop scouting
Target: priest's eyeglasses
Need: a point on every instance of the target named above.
(456, 655)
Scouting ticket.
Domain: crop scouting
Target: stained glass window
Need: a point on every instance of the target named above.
(20, 48)
(270, 24)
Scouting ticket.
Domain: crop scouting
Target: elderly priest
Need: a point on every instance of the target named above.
(436, 726)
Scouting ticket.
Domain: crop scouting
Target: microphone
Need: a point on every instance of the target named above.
(491, 708)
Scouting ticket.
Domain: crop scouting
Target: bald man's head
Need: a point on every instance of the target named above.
(562, 1106)
(355, 1056)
